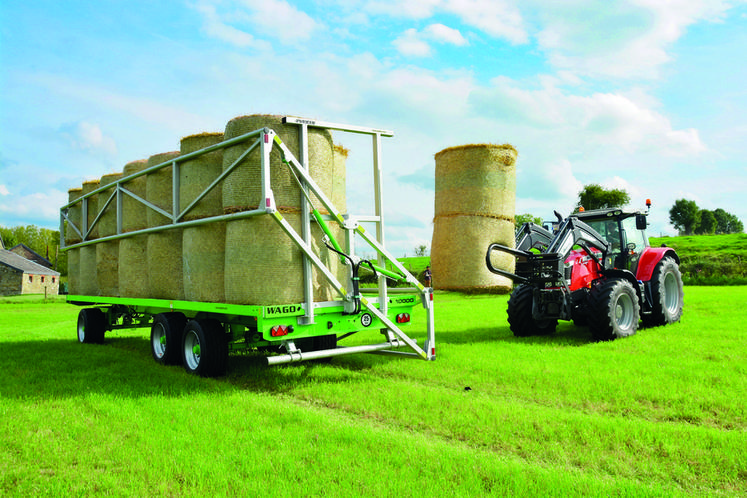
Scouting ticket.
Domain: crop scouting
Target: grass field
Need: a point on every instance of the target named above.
(662, 413)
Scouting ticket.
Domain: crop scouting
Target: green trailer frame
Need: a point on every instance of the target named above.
(207, 332)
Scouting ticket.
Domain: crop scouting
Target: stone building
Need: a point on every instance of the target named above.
(19, 275)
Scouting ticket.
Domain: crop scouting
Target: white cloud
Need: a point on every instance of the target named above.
(89, 137)
(216, 28)
(4, 190)
(280, 19)
(410, 43)
(444, 34)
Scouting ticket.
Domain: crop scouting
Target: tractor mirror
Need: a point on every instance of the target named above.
(640, 221)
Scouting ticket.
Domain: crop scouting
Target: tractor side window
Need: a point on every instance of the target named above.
(634, 236)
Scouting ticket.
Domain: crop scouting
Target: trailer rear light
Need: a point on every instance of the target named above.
(403, 318)
(279, 331)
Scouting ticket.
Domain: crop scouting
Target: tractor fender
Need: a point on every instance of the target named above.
(650, 258)
(627, 275)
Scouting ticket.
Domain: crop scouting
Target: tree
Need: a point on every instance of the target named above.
(684, 216)
(706, 223)
(520, 219)
(727, 222)
(594, 196)
(421, 250)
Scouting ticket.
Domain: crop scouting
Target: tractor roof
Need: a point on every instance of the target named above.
(596, 214)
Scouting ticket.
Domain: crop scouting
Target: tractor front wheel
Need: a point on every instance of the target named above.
(520, 317)
(667, 294)
(615, 310)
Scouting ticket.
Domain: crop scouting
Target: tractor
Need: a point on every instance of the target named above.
(594, 267)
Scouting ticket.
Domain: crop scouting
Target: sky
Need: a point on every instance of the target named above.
(644, 95)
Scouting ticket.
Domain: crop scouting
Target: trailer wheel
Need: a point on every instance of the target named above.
(667, 294)
(166, 337)
(614, 310)
(205, 348)
(520, 314)
(91, 326)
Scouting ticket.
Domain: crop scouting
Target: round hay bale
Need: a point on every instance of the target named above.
(242, 189)
(88, 187)
(339, 178)
(133, 267)
(474, 206)
(74, 213)
(458, 254)
(203, 248)
(73, 271)
(88, 283)
(165, 271)
(264, 266)
(197, 174)
(107, 253)
(71, 237)
(159, 188)
(134, 213)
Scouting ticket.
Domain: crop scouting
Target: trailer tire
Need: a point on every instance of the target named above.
(520, 318)
(615, 310)
(205, 348)
(166, 337)
(667, 294)
(91, 326)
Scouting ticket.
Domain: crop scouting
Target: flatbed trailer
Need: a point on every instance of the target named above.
(205, 332)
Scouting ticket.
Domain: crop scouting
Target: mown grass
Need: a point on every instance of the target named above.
(658, 414)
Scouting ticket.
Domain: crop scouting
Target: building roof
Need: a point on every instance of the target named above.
(17, 262)
(28, 253)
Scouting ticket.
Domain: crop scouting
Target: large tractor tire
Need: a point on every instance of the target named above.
(91, 326)
(667, 294)
(166, 338)
(520, 314)
(615, 310)
(205, 348)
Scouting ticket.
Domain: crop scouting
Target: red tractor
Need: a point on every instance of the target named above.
(595, 268)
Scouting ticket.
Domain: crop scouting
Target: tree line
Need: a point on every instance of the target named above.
(43, 241)
(685, 215)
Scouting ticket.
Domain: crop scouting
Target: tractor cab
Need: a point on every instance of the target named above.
(625, 232)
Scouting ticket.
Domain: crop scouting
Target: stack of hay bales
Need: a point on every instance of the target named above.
(107, 253)
(164, 249)
(88, 282)
(203, 246)
(339, 199)
(71, 237)
(133, 251)
(263, 265)
(474, 206)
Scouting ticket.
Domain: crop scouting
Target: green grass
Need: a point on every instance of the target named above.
(659, 414)
(710, 259)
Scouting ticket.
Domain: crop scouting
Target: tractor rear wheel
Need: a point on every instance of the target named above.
(615, 310)
(667, 294)
(520, 314)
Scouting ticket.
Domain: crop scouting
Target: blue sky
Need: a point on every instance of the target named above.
(644, 95)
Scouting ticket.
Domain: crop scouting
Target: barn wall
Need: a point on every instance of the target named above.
(10, 281)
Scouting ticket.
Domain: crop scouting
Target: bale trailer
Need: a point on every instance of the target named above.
(200, 335)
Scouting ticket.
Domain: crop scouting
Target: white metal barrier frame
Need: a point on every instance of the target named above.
(266, 139)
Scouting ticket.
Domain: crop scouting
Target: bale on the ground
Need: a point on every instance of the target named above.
(474, 206)
(107, 253)
(195, 175)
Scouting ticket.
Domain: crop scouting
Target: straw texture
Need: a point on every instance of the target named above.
(74, 213)
(133, 267)
(107, 253)
(159, 188)
(88, 283)
(339, 177)
(242, 189)
(195, 175)
(73, 271)
(474, 207)
(165, 272)
(203, 248)
(134, 215)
